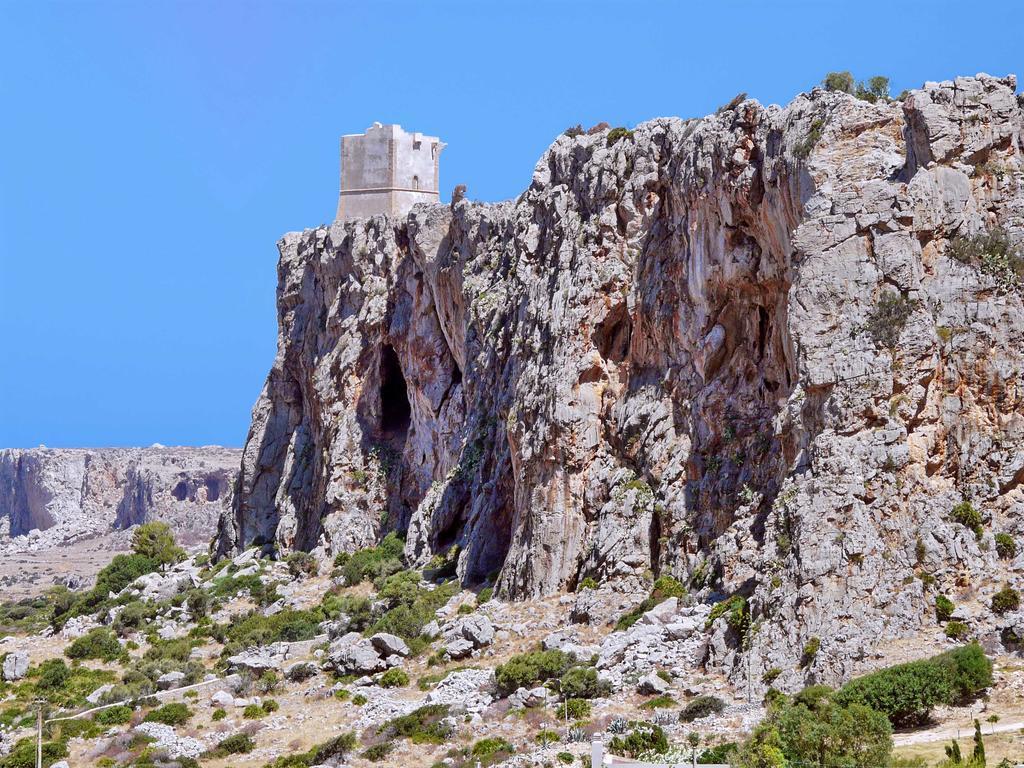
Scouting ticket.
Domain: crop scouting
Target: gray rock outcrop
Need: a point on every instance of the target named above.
(15, 666)
(73, 493)
(739, 350)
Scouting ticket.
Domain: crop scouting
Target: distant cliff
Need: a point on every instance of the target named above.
(70, 493)
(768, 352)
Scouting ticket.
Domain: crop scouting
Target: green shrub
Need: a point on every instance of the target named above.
(810, 652)
(218, 714)
(122, 571)
(876, 89)
(375, 562)
(270, 706)
(906, 693)
(1006, 547)
(394, 678)
(588, 583)
(118, 715)
(268, 682)
(771, 675)
(99, 643)
(155, 541)
(465, 609)
(175, 713)
(888, 318)
(413, 606)
(700, 707)
(287, 625)
(666, 587)
(359, 699)
(1005, 600)
(965, 514)
(618, 133)
(424, 725)
(583, 683)
(485, 595)
(378, 752)
(23, 755)
(574, 709)
(565, 758)
(134, 615)
(198, 602)
(253, 712)
(993, 253)
(523, 670)
(236, 744)
(854, 736)
(957, 630)
(302, 564)
(839, 81)
(734, 609)
(664, 701)
(944, 608)
(491, 750)
(644, 737)
(720, 754)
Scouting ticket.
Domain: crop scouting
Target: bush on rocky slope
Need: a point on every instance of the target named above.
(373, 563)
(525, 669)
(907, 693)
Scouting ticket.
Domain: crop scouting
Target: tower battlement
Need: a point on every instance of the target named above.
(387, 170)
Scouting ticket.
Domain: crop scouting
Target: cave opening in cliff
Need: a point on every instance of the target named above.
(212, 489)
(612, 334)
(395, 412)
(180, 491)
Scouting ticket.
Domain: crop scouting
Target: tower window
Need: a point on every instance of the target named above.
(415, 182)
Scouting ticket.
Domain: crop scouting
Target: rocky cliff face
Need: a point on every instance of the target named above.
(739, 350)
(67, 494)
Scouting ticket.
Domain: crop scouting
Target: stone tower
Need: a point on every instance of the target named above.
(387, 170)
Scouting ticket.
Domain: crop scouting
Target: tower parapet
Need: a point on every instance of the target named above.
(387, 170)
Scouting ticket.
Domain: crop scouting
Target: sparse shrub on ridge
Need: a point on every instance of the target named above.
(701, 706)
(888, 318)
(1005, 600)
(965, 514)
(944, 608)
(1006, 547)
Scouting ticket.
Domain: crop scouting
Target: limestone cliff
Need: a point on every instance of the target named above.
(69, 493)
(735, 349)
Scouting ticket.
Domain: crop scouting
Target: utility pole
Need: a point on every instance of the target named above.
(39, 734)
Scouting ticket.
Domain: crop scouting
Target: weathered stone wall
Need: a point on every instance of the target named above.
(656, 360)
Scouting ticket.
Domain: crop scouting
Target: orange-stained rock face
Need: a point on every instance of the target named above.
(666, 356)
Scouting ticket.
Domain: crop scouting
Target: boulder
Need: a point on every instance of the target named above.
(349, 656)
(387, 644)
(652, 683)
(222, 699)
(459, 648)
(15, 666)
(478, 630)
(170, 680)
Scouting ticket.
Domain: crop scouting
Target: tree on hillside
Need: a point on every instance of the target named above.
(818, 732)
(156, 541)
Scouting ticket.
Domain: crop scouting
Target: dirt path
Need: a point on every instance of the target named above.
(945, 733)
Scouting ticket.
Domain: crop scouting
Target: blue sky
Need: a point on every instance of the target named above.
(154, 152)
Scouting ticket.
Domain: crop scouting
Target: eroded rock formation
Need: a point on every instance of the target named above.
(71, 493)
(669, 355)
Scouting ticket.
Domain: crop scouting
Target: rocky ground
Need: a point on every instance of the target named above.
(291, 658)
